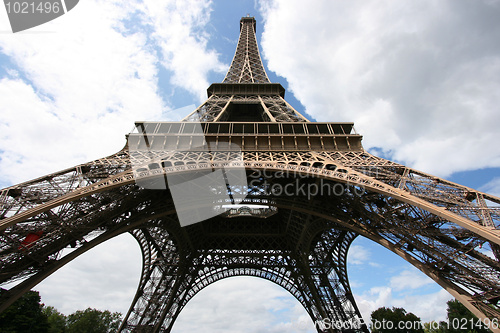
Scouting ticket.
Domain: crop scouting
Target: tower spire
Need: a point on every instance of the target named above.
(246, 94)
(247, 66)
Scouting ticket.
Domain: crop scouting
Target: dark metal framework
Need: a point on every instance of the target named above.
(298, 241)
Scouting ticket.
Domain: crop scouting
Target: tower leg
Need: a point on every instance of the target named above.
(325, 278)
(159, 284)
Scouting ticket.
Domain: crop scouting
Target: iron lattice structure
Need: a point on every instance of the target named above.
(298, 241)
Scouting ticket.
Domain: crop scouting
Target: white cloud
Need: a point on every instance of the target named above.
(179, 31)
(357, 255)
(419, 79)
(409, 279)
(372, 300)
(492, 187)
(426, 306)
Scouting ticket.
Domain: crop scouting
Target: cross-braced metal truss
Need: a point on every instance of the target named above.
(436, 225)
(311, 190)
(247, 66)
(274, 108)
(170, 281)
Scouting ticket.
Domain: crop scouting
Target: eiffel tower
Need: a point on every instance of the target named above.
(310, 190)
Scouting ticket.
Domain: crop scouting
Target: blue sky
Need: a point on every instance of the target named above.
(420, 81)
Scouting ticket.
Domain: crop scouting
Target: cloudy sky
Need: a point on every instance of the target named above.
(420, 80)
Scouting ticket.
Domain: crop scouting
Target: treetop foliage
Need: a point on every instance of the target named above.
(27, 314)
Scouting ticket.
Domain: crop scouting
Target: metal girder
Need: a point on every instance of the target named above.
(247, 66)
(440, 248)
(274, 106)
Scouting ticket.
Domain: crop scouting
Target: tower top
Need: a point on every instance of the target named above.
(249, 19)
(247, 66)
(246, 94)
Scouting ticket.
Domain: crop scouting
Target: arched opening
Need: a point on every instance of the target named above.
(379, 277)
(105, 277)
(243, 304)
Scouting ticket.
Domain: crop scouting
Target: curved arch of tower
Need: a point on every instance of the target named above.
(308, 190)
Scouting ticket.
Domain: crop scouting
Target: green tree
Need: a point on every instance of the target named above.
(24, 315)
(395, 320)
(461, 320)
(93, 321)
(435, 327)
(57, 320)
